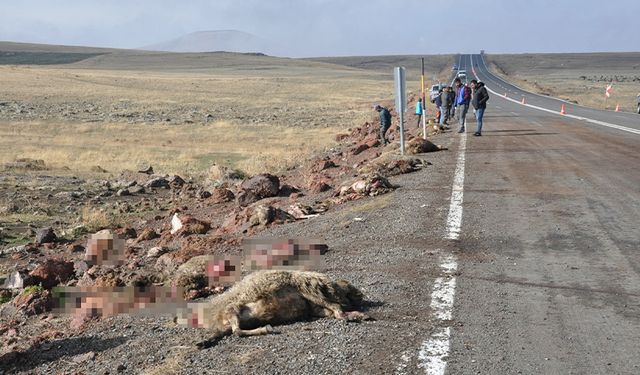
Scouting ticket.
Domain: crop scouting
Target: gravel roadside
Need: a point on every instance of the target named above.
(388, 246)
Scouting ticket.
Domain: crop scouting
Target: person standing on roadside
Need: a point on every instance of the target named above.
(479, 98)
(419, 110)
(385, 122)
(452, 102)
(463, 98)
(444, 109)
(638, 99)
(438, 102)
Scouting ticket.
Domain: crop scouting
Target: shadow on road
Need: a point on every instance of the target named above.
(52, 351)
(517, 135)
(510, 130)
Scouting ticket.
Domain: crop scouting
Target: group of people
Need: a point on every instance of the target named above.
(449, 101)
(452, 100)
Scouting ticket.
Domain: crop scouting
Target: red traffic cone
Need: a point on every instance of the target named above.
(562, 110)
(523, 100)
(617, 107)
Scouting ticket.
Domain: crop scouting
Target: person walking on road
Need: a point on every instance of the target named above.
(480, 96)
(463, 98)
(385, 123)
(419, 110)
(638, 100)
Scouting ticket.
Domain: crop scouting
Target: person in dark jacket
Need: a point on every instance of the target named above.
(452, 103)
(463, 99)
(479, 99)
(385, 123)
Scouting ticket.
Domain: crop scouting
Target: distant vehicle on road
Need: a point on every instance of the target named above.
(461, 73)
(435, 90)
(463, 77)
(454, 68)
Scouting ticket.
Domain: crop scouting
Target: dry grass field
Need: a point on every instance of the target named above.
(580, 77)
(180, 112)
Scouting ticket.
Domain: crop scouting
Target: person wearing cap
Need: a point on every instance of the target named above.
(385, 122)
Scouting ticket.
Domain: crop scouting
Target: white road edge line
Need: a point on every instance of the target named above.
(580, 118)
(434, 352)
(454, 220)
(597, 122)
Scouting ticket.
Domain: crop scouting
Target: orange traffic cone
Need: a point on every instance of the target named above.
(562, 110)
(617, 107)
(523, 100)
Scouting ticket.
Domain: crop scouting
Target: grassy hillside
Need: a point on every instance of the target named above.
(179, 112)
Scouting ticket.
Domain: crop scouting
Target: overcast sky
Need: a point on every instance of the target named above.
(333, 27)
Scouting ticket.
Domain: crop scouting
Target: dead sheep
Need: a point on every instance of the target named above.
(273, 297)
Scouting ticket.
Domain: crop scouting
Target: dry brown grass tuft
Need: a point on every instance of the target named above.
(187, 148)
(95, 219)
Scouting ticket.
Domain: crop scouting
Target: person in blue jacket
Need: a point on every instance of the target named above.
(438, 102)
(419, 110)
(463, 99)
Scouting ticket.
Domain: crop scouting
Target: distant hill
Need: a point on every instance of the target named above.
(214, 41)
(42, 54)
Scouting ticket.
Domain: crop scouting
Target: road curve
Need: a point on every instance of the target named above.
(502, 87)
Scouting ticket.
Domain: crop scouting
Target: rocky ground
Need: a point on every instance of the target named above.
(166, 221)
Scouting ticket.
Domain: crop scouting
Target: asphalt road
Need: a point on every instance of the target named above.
(549, 248)
(476, 63)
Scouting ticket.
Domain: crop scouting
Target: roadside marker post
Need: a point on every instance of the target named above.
(424, 106)
(401, 101)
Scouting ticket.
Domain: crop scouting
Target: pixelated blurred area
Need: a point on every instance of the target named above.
(199, 277)
(208, 274)
(193, 315)
(105, 248)
(283, 254)
(85, 303)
